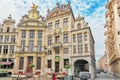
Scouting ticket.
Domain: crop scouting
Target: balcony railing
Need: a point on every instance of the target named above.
(55, 45)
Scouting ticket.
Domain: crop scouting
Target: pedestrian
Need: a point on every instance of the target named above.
(54, 76)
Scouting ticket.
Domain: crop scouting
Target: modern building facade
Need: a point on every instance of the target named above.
(8, 40)
(53, 42)
(113, 35)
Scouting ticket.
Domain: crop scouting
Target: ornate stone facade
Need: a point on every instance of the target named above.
(8, 40)
(52, 43)
(112, 35)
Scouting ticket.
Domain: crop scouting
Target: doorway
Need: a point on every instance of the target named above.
(56, 66)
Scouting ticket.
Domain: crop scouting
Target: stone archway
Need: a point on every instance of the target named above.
(80, 65)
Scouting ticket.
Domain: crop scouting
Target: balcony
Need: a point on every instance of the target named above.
(57, 45)
(4, 55)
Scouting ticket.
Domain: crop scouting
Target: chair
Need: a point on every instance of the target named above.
(37, 75)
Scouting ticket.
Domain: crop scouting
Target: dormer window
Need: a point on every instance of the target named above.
(65, 22)
(50, 25)
(79, 26)
(8, 29)
(57, 23)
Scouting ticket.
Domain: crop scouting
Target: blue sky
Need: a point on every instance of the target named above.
(92, 10)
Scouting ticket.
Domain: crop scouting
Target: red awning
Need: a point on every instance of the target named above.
(5, 63)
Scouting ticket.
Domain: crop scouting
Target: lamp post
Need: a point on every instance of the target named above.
(67, 67)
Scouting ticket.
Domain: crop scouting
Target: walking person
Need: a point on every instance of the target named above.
(54, 76)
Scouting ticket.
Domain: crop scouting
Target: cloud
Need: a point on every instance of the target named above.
(92, 10)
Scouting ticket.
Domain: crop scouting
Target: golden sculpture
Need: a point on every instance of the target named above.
(34, 6)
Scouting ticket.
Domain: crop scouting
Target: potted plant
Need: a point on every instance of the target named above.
(31, 67)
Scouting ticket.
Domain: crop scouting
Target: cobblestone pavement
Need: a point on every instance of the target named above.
(105, 76)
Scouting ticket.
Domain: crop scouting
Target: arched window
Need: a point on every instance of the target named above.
(79, 26)
(8, 29)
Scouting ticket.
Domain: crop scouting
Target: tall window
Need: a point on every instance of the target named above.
(6, 38)
(79, 26)
(49, 52)
(85, 36)
(40, 34)
(11, 49)
(0, 49)
(39, 46)
(74, 49)
(57, 39)
(49, 25)
(13, 39)
(66, 62)
(65, 22)
(57, 51)
(22, 45)
(74, 38)
(86, 47)
(65, 38)
(57, 23)
(49, 63)
(30, 59)
(32, 33)
(49, 41)
(5, 51)
(31, 45)
(65, 50)
(21, 63)
(81, 48)
(38, 63)
(23, 33)
(1, 38)
(8, 29)
(79, 37)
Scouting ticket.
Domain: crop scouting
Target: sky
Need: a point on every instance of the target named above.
(92, 10)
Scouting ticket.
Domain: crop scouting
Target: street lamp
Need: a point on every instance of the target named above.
(67, 67)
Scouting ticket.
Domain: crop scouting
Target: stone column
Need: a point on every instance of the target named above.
(16, 62)
(34, 62)
(91, 70)
(36, 40)
(19, 41)
(25, 63)
(27, 40)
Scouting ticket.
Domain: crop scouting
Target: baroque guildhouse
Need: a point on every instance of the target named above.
(69, 42)
(30, 43)
(8, 40)
(113, 36)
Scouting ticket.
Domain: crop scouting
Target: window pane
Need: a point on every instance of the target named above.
(11, 49)
(86, 47)
(21, 63)
(23, 33)
(32, 33)
(5, 51)
(40, 34)
(13, 39)
(31, 45)
(49, 40)
(49, 63)
(66, 62)
(22, 45)
(39, 46)
(38, 63)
